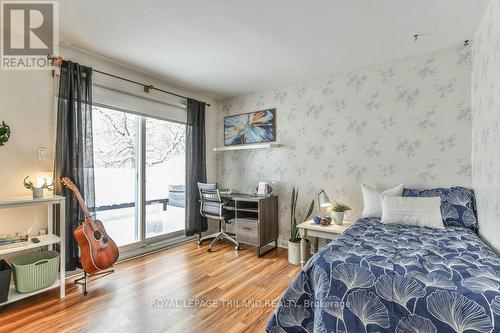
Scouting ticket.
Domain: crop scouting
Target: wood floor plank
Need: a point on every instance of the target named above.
(157, 293)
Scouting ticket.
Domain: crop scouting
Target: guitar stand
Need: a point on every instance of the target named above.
(86, 277)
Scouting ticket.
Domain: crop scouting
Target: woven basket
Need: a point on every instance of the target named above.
(35, 271)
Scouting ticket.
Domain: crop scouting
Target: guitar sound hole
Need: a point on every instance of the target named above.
(97, 234)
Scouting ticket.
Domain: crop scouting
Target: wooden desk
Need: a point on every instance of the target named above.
(256, 219)
(309, 228)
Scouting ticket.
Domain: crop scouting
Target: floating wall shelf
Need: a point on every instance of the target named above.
(248, 146)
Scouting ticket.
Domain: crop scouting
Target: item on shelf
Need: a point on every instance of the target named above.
(338, 212)
(317, 219)
(37, 191)
(35, 271)
(13, 239)
(5, 272)
(4, 133)
(12, 245)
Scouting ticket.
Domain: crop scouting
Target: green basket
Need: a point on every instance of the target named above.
(35, 271)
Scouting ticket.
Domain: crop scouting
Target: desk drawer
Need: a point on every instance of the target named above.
(247, 232)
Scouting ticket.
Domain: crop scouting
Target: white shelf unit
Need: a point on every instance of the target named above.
(45, 240)
(248, 146)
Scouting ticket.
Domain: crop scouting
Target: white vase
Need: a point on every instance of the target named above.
(38, 193)
(338, 217)
(294, 252)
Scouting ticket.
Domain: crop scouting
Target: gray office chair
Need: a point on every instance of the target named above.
(212, 206)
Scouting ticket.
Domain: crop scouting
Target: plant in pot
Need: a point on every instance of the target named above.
(294, 241)
(338, 212)
(37, 191)
(4, 133)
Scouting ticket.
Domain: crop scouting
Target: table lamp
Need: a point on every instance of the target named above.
(323, 201)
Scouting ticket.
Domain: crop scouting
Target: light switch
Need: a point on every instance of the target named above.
(42, 153)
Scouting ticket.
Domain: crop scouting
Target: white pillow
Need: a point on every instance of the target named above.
(372, 199)
(423, 212)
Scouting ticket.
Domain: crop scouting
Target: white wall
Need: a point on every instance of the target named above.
(486, 124)
(402, 122)
(27, 104)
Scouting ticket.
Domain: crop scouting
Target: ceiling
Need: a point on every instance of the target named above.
(226, 48)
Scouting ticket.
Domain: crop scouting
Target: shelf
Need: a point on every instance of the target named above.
(29, 201)
(15, 296)
(253, 210)
(249, 219)
(44, 241)
(248, 146)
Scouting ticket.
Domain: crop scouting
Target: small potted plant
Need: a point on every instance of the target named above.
(338, 212)
(4, 133)
(37, 191)
(294, 241)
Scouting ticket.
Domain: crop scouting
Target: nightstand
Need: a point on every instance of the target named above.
(309, 228)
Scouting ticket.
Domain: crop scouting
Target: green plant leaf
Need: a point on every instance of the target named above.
(309, 213)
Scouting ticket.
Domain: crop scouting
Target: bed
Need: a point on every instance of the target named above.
(393, 278)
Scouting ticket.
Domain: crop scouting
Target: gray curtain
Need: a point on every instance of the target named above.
(74, 148)
(195, 166)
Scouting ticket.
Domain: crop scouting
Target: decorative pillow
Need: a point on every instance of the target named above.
(423, 212)
(458, 205)
(372, 199)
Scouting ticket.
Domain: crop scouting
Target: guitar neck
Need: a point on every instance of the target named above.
(83, 206)
(69, 184)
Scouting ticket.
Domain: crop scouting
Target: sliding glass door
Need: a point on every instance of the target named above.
(139, 177)
(165, 177)
(116, 143)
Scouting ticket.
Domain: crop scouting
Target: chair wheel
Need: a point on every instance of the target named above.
(237, 247)
(209, 250)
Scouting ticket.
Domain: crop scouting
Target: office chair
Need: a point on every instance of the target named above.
(212, 206)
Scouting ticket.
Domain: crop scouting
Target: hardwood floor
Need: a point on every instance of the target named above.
(153, 294)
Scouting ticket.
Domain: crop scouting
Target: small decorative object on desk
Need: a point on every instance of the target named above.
(37, 191)
(338, 212)
(223, 190)
(267, 189)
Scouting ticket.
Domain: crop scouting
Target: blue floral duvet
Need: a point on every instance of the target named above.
(393, 278)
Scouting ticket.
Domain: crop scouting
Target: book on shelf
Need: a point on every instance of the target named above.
(13, 239)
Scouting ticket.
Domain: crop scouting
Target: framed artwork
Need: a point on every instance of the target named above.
(253, 127)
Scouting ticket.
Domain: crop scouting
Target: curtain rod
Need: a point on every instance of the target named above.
(57, 61)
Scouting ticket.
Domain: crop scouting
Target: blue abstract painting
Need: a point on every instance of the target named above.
(253, 127)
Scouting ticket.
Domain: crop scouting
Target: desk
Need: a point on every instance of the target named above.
(256, 219)
(309, 228)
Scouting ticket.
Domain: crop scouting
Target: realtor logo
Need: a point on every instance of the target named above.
(29, 34)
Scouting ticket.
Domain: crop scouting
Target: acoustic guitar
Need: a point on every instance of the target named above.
(97, 250)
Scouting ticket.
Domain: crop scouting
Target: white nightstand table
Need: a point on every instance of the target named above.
(309, 228)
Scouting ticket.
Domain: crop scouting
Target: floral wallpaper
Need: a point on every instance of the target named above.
(486, 124)
(403, 122)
